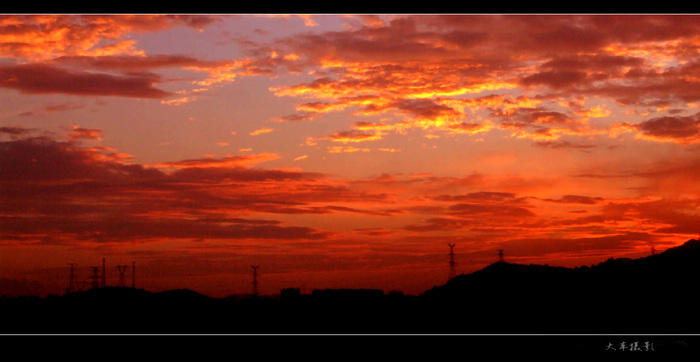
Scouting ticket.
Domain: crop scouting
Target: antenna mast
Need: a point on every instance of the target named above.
(453, 272)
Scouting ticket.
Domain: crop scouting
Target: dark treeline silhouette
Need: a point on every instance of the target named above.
(651, 295)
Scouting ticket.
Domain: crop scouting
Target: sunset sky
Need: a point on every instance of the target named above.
(341, 151)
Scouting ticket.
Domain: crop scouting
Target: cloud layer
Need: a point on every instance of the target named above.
(562, 138)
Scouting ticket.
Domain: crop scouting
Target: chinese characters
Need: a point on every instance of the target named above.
(631, 347)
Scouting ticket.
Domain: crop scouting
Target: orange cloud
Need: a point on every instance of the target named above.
(347, 149)
(261, 131)
(471, 128)
(436, 62)
(353, 136)
(226, 161)
(85, 133)
(42, 37)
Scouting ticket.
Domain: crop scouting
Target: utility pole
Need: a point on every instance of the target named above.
(255, 280)
(453, 271)
(104, 275)
(72, 284)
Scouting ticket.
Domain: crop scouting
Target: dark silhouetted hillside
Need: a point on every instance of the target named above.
(655, 294)
(651, 295)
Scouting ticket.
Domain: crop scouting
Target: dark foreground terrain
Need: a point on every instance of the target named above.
(652, 295)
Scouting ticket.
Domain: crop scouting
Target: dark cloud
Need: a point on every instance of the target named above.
(15, 130)
(671, 128)
(194, 21)
(440, 224)
(239, 173)
(57, 191)
(426, 108)
(128, 228)
(482, 196)
(599, 246)
(52, 108)
(352, 136)
(475, 210)
(45, 79)
(563, 144)
(226, 161)
(468, 209)
(294, 118)
(128, 63)
(44, 159)
(576, 199)
(557, 79)
(467, 127)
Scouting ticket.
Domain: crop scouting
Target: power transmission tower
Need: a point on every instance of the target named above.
(255, 280)
(500, 255)
(73, 284)
(453, 271)
(95, 277)
(122, 270)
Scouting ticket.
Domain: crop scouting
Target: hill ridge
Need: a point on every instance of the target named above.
(654, 294)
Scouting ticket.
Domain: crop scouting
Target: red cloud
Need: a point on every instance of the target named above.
(563, 144)
(43, 79)
(427, 109)
(473, 209)
(444, 57)
(227, 161)
(679, 129)
(576, 199)
(85, 133)
(54, 191)
(556, 80)
(130, 63)
(42, 158)
(353, 136)
(664, 129)
(15, 130)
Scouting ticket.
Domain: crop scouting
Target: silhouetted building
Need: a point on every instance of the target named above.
(347, 294)
(290, 293)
